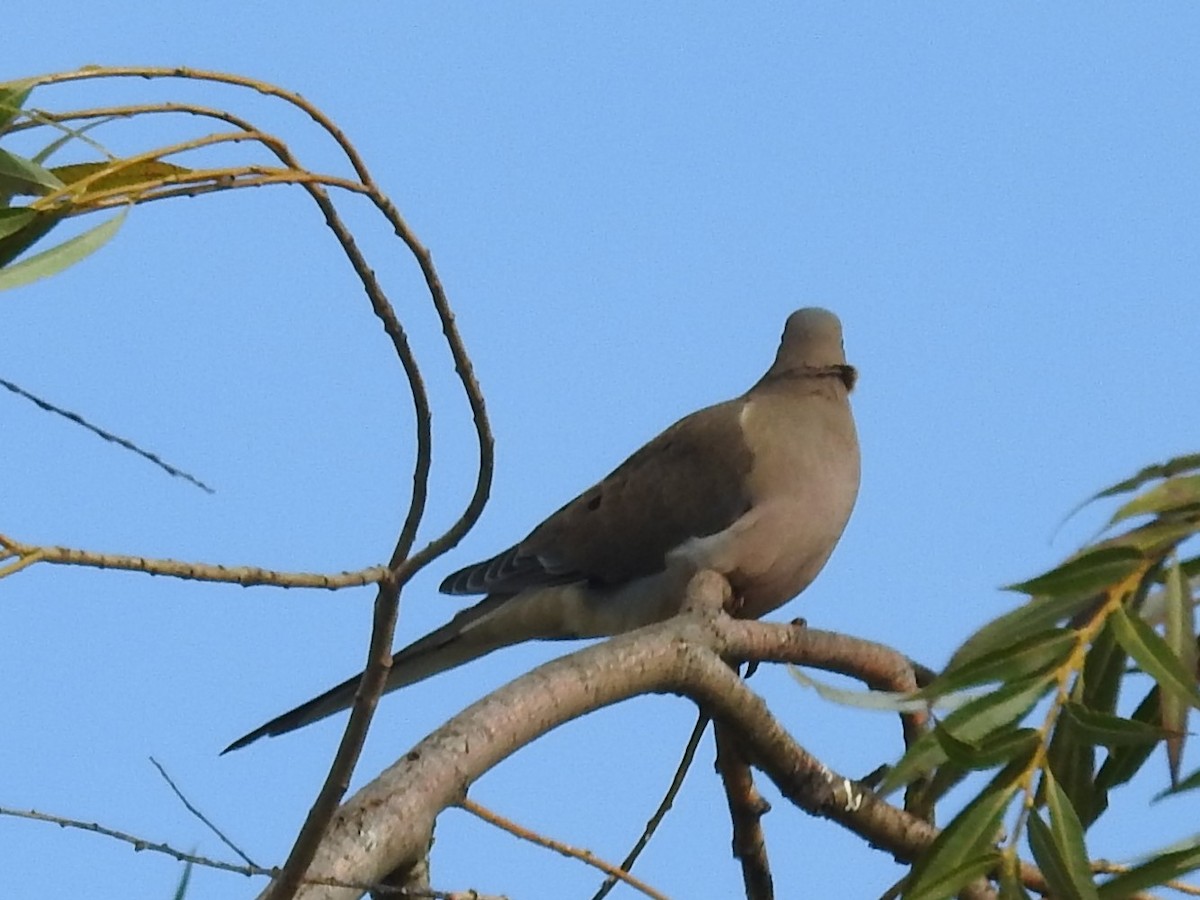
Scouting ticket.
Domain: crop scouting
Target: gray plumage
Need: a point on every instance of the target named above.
(758, 488)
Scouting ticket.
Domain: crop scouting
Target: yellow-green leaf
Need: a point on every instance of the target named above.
(108, 176)
(1180, 633)
(1174, 493)
(59, 257)
(13, 95)
(1149, 473)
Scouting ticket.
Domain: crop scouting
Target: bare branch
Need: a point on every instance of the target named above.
(586, 856)
(746, 809)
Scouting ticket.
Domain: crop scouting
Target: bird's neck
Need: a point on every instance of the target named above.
(842, 372)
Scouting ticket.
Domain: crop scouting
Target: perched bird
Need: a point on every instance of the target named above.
(758, 488)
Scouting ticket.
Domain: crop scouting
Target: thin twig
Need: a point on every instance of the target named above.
(199, 815)
(246, 576)
(685, 763)
(585, 856)
(106, 435)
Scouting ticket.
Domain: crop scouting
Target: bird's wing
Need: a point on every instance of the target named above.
(688, 482)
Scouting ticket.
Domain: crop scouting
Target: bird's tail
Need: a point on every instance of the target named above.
(453, 644)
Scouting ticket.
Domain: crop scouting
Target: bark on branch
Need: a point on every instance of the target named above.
(387, 824)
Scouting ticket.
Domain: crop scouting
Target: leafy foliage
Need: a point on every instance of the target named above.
(1086, 635)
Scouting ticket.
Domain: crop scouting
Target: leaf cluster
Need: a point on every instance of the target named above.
(1114, 621)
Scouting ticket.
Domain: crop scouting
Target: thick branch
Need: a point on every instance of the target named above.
(387, 824)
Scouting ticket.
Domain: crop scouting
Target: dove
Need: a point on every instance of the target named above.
(758, 488)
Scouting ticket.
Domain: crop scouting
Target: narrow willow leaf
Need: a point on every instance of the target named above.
(1028, 656)
(61, 256)
(1109, 730)
(953, 879)
(23, 176)
(993, 750)
(115, 174)
(923, 796)
(1150, 473)
(1124, 762)
(13, 220)
(1049, 857)
(856, 698)
(1072, 761)
(968, 835)
(1037, 615)
(1103, 669)
(1180, 634)
(1190, 783)
(1154, 656)
(1174, 493)
(69, 134)
(1156, 871)
(13, 95)
(1155, 539)
(36, 226)
(1088, 573)
(1068, 838)
(970, 722)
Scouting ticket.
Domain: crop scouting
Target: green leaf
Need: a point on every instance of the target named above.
(1124, 762)
(57, 258)
(1174, 493)
(23, 176)
(1190, 783)
(1086, 574)
(1156, 871)
(970, 722)
(1068, 839)
(69, 134)
(1050, 859)
(1159, 470)
(950, 881)
(1155, 538)
(1109, 730)
(20, 229)
(885, 701)
(1103, 669)
(13, 95)
(1154, 656)
(13, 220)
(1180, 635)
(1035, 616)
(1072, 762)
(993, 750)
(1031, 655)
(969, 835)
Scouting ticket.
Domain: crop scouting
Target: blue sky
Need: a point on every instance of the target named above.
(625, 202)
